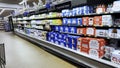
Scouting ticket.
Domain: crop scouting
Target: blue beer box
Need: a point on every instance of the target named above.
(74, 12)
(65, 13)
(51, 34)
(81, 10)
(49, 38)
(60, 36)
(64, 36)
(74, 46)
(61, 29)
(69, 21)
(57, 28)
(73, 39)
(63, 43)
(66, 29)
(91, 10)
(73, 21)
(79, 21)
(64, 21)
(86, 9)
(73, 29)
(68, 39)
(52, 40)
(70, 13)
(67, 45)
(57, 42)
(56, 36)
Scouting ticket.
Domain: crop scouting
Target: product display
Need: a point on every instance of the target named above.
(91, 46)
(91, 21)
(116, 57)
(116, 6)
(114, 33)
(101, 8)
(108, 51)
(88, 30)
(101, 33)
(98, 21)
(117, 22)
(81, 31)
(85, 21)
(107, 20)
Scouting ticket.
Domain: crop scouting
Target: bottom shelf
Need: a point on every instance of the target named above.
(74, 56)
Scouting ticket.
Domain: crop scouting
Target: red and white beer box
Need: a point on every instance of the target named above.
(98, 21)
(98, 44)
(91, 21)
(85, 21)
(116, 57)
(90, 31)
(85, 45)
(96, 53)
(81, 31)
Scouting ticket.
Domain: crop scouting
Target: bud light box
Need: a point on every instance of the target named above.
(65, 13)
(72, 42)
(57, 42)
(63, 43)
(61, 29)
(66, 29)
(64, 36)
(60, 36)
(74, 21)
(73, 29)
(79, 21)
(64, 21)
(69, 21)
(57, 28)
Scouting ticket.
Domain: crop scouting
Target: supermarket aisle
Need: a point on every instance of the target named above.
(22, 54)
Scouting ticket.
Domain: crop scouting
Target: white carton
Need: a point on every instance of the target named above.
(101, 33)
(114, 33)
(116, 57)
(116, 6)
(107, 20)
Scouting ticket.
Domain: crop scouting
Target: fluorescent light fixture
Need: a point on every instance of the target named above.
(2, 11)
(23, 1)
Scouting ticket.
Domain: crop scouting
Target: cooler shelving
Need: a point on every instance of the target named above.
(75, 56)
(73, 51)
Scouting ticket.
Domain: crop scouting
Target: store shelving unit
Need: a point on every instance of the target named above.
(74, 56)
(1, 25)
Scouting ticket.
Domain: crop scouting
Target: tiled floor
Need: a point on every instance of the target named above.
(22, 54)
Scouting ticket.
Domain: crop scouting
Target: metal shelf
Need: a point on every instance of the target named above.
(81, 35)
(93, 14)
(41, 19)
(84, 15)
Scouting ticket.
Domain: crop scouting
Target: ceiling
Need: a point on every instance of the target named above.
(14, 2)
